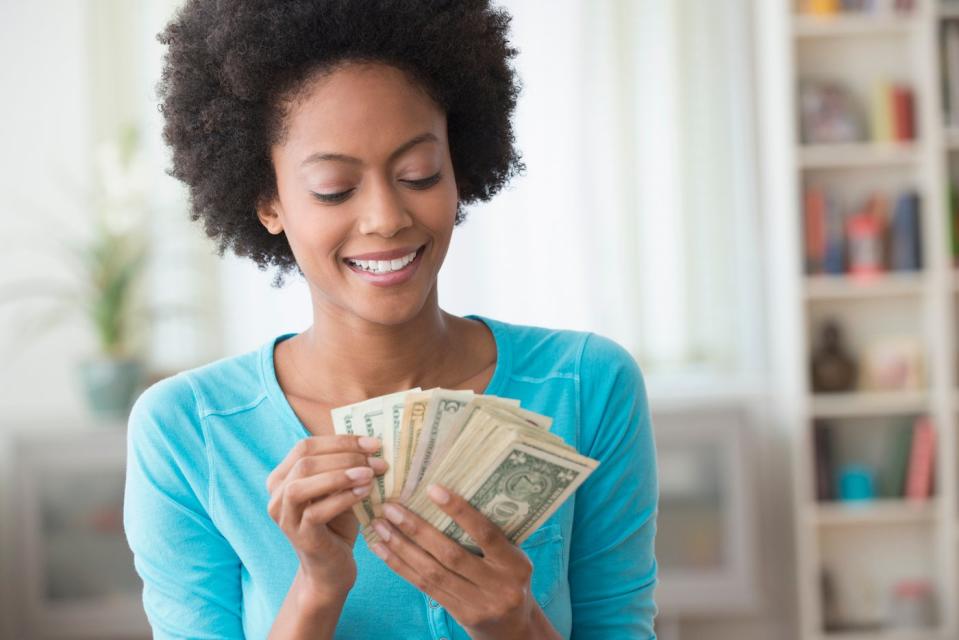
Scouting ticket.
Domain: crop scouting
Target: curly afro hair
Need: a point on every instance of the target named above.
(232, 67)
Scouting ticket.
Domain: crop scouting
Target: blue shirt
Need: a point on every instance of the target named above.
(214, 564)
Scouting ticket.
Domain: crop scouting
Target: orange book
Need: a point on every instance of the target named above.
(815, 229)
(822, 7)
(919, 477)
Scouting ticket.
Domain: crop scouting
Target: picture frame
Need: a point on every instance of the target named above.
(74, 575)
(893, 363)
(706, 534)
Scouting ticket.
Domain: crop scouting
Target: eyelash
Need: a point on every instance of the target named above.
(418, 185)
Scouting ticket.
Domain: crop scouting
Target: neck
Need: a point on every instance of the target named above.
(362, 359)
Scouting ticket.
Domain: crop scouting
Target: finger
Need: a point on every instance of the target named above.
(487, 535)
(421, 569)
(296, 494)
(447, 552)
(317, 445)
(324, 510)
(312, 465)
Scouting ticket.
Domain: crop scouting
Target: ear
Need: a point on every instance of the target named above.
(266, 211)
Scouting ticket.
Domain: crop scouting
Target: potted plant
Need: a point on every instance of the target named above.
(109, 263)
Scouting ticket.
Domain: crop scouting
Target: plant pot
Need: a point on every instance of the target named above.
(111, 385)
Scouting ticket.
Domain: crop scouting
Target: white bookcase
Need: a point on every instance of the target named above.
(867, 547)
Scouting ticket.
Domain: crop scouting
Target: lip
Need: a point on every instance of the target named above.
(392, 254)
(393, 278)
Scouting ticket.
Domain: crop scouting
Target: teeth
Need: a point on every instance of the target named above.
(383, 266)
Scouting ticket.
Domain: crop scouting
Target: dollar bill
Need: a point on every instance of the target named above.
(442, 407)
(414, 412)
(343, 424)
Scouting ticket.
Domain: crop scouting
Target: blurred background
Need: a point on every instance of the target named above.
(756, 197)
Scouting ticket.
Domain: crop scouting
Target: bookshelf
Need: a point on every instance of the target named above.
(855, 556)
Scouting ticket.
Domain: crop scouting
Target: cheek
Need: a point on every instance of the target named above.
(313, 236)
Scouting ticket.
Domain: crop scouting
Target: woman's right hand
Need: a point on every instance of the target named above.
(312, 492)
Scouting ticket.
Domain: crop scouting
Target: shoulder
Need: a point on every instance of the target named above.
(544, 351)
(220, 386)
(170, 412)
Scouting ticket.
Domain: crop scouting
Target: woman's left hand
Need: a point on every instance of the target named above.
(489, 596)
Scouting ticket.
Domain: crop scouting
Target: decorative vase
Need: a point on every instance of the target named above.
(111, 385)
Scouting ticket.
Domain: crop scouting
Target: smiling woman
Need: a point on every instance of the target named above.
(342, 140)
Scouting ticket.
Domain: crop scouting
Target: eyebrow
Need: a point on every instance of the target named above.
(403, 148)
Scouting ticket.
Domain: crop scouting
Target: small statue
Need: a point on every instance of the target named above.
(832, 369)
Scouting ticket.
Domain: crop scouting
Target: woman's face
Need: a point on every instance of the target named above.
(366, 192)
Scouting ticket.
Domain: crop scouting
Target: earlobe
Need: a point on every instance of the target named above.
(269, 218)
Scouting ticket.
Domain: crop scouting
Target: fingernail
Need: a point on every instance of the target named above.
(379, 550)
(362, 490)
(359, 473)
(382, 529)
(370, 444)
(393, 513)
(379, 464)
(438, 494)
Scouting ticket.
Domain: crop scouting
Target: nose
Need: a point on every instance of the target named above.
(383, 212)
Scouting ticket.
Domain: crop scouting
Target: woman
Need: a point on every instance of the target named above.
(341, 139)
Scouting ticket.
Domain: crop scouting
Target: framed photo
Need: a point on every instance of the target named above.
(892, 364)
(75, 577)
(706, 538)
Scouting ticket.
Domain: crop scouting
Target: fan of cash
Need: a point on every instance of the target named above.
(499, 457)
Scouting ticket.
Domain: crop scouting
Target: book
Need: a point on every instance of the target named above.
(834, 260)
(814, 215)
(919, 477)
(903, 113)
(823, 452)
(954, 222)
(892, 477)
(881, 112)
(905, 236)
(951, 71)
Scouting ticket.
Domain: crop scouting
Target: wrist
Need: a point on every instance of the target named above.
(534, 625)
(313, 596)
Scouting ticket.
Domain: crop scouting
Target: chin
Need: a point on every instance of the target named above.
(388, 314)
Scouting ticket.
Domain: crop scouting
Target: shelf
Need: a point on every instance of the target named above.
(948, 10)
(884, 511)
(857, 154)
(861, 403)
(826, 287)
(885, 634)
(852, 25)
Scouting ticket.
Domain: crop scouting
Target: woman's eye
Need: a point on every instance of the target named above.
(425, 183)
(333, 198)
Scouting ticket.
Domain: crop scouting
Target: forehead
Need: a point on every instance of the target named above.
(360, 109)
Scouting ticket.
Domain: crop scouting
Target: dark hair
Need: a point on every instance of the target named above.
(231, 66)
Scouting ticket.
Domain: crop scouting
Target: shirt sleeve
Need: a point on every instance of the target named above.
(190, 572)
(613, 569)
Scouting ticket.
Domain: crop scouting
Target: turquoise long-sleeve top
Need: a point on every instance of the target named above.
(214, 564)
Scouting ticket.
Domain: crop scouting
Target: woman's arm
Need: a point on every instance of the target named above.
(613, 569)
(190, 572)
(307, 613)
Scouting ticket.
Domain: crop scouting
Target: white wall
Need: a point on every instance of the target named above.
(46, 124)
(45, 127)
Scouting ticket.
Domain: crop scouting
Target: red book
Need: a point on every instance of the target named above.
(921, 460)
(903, 120)
(815, 229)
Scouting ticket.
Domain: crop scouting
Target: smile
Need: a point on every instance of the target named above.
(389, 268)
(383, 266)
